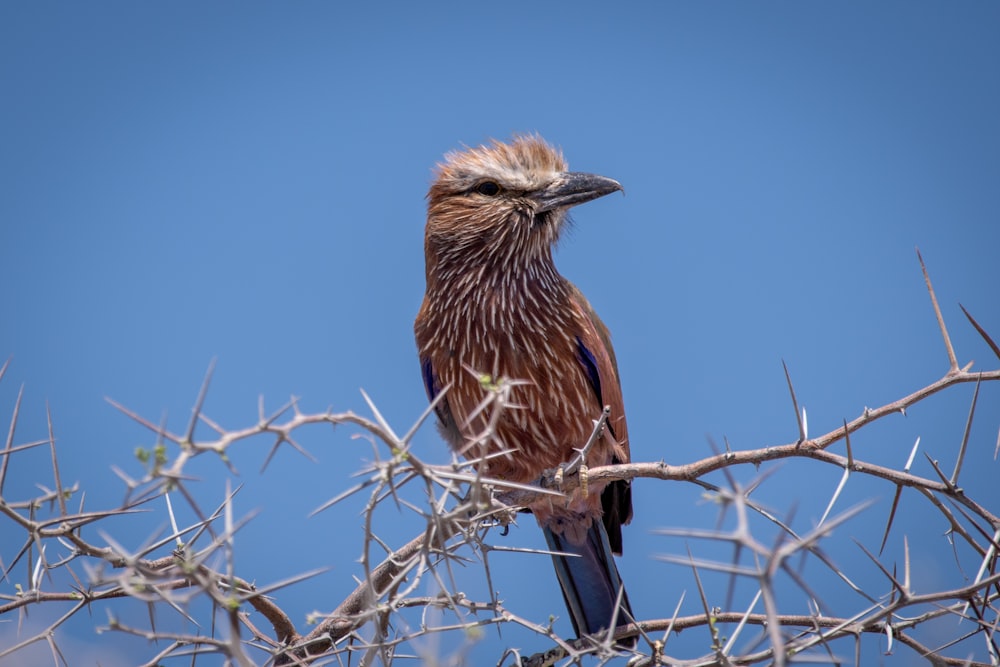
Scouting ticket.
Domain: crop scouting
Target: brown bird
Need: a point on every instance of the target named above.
(495, 311)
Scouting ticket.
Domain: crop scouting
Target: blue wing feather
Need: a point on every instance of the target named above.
(446, 422)
(589, 362)
(428, 372)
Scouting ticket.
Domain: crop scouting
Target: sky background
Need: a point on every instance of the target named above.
(245, 182)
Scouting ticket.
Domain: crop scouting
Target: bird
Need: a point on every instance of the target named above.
(496, 311)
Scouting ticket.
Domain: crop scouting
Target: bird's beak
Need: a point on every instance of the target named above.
(572, 188)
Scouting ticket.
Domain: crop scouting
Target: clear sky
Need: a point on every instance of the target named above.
(245, 182)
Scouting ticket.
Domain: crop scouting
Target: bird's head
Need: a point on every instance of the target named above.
(504, 203)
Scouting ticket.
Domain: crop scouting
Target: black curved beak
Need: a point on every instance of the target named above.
(572, 188)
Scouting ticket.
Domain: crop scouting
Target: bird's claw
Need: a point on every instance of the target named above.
(580, 469)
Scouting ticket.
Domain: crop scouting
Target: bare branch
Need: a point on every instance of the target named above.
(952, 360)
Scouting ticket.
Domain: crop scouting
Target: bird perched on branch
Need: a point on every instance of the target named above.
(497, 314)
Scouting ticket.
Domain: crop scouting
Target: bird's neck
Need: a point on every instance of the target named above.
(505, 290)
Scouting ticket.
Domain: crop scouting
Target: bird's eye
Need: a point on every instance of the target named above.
(488, 188)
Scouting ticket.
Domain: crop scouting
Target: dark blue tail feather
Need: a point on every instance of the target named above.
(589, 580)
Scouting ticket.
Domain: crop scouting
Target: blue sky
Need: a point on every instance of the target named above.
(245, 182)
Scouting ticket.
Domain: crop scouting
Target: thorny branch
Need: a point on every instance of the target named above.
(458, 508)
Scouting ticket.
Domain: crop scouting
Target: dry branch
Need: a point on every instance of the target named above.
(456, 509)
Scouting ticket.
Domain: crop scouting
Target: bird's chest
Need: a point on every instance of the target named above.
(515, 375)
(512, 335)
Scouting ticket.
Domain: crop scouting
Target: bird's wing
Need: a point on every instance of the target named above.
(446, 421)
(598, 359)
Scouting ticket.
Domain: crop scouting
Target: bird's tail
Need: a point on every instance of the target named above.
(589, 580)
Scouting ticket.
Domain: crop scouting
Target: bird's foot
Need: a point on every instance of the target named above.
(581, 470)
